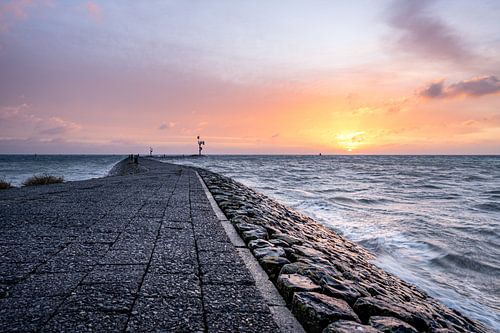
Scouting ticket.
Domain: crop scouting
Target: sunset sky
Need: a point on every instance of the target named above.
(337, 77)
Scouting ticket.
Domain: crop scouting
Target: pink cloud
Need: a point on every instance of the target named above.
(12, 11)
(93, 10)
(17, 10)
(475, 87)
(422, 33)
(168, 125)
(18, 122)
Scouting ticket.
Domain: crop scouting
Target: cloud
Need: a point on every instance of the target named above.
(168, 125)
(93, 10)
(16, 10)
(11, 11)
(475, 87)
(58, 126)
(17, 122)
(424, 34)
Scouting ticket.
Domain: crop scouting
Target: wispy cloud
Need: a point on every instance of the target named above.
(475, 87)
(93, 10)
(17, 121)
(422, 33)
(165, 126)
(16, 10)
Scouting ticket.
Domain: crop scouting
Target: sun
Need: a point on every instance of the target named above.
(350, 140)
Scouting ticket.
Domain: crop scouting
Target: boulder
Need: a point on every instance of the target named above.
(268, 251)
(346, 326)
(367, 307)
(258, 243)
(288, 238)
(272, 265)
(288, 284)
(343, 289)
(391, 325)
(315, 311)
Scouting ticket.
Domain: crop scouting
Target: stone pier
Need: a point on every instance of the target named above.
(140, 251)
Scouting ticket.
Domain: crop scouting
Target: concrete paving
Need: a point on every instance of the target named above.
(140, 252)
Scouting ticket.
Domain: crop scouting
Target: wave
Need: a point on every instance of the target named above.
(342, 200)
(362, 201)
(451, 260)
(489, 206)
(376, 244)
(493, 192)
(472, 178)
(429, 186)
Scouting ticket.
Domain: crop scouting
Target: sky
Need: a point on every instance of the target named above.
(250, 77)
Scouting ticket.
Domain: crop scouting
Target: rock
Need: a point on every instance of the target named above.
(307, 251)
(341, 268)
(293, 268)
(244, 226)
(288, 238)
(288, 284)
(342, 289)
(250, 235)
(391, 325)
(346, 326)
(268, 251)
(315, 271)
(279, 242)
(258, 243)
(272, 265)
(367, 307)
(315, 311)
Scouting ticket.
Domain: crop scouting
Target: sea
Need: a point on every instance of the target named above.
(434, 221)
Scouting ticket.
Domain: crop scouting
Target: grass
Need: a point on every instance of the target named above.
(42, 180)
(4, 185)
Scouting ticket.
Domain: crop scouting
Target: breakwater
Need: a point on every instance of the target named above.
(328, 282)
(141, 251)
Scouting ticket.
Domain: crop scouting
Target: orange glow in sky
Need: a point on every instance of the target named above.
(391, 77)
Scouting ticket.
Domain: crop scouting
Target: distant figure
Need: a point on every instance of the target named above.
(319, 154)
(150, 151)
(200, 144)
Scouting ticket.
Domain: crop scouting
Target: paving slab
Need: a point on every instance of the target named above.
(135, 252)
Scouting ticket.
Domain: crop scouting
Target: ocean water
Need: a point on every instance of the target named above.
(17, 168)
(432, 220)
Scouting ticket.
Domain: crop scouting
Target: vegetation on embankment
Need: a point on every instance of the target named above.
(42, 180)
(4, 185)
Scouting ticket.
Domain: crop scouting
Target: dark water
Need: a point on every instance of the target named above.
(432, 220)
(17, 168)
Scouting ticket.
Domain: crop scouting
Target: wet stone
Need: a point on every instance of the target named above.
(259, 243)
(315, 311)
(273, 265)
(279, 242)
(288, 239)
(345, 290)
(250, 235)
(391, 325)
(269, 252)
(288, 284)
(346, 326)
